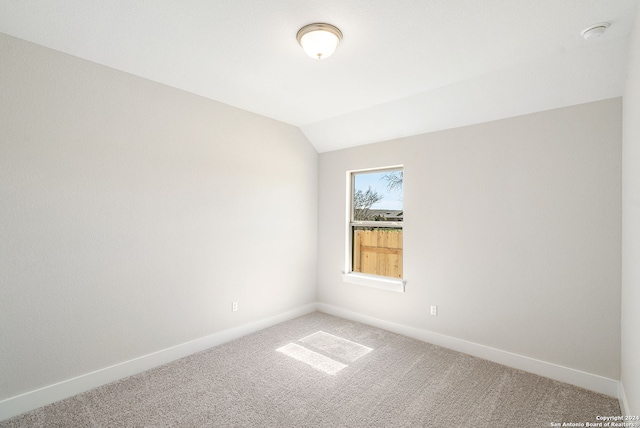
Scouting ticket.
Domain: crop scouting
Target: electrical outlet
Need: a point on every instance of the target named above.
(234, 306)
(434, 310)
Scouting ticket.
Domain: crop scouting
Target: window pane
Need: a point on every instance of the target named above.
(378, 196)
(377, 251)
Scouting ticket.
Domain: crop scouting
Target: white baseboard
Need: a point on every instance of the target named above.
(622, 398)
(579, 378)
(33, 399)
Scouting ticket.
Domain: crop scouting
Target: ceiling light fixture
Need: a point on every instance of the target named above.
(595, 31)
(319, 41)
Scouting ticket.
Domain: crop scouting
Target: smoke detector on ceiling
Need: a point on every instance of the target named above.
(595, 30)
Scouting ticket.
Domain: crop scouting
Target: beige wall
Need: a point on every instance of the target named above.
(512, 228)
(133, 214)
(631, 226)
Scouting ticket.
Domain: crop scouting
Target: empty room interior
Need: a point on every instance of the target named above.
(203, 220)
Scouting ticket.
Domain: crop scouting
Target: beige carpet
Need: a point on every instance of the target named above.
(323, 371)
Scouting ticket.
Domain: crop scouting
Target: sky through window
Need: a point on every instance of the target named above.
(391, 200)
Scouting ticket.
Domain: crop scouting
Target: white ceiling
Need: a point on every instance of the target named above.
(404, 66)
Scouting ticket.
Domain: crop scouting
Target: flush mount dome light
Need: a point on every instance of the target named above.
(595, 31)
(319, 41)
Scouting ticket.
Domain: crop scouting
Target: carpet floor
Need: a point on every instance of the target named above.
(322, 371)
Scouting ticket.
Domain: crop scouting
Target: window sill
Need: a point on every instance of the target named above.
(380, 282)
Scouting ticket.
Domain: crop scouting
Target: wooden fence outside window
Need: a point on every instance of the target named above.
(378, 252)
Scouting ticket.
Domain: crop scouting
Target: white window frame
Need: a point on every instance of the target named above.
(358, 278)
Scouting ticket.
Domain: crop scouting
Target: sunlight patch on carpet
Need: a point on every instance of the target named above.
(315, 360)
(328, 345)
(337, 347)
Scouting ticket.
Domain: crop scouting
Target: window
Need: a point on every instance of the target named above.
(375, 228)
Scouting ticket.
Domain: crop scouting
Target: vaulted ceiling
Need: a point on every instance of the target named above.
(404, 67)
